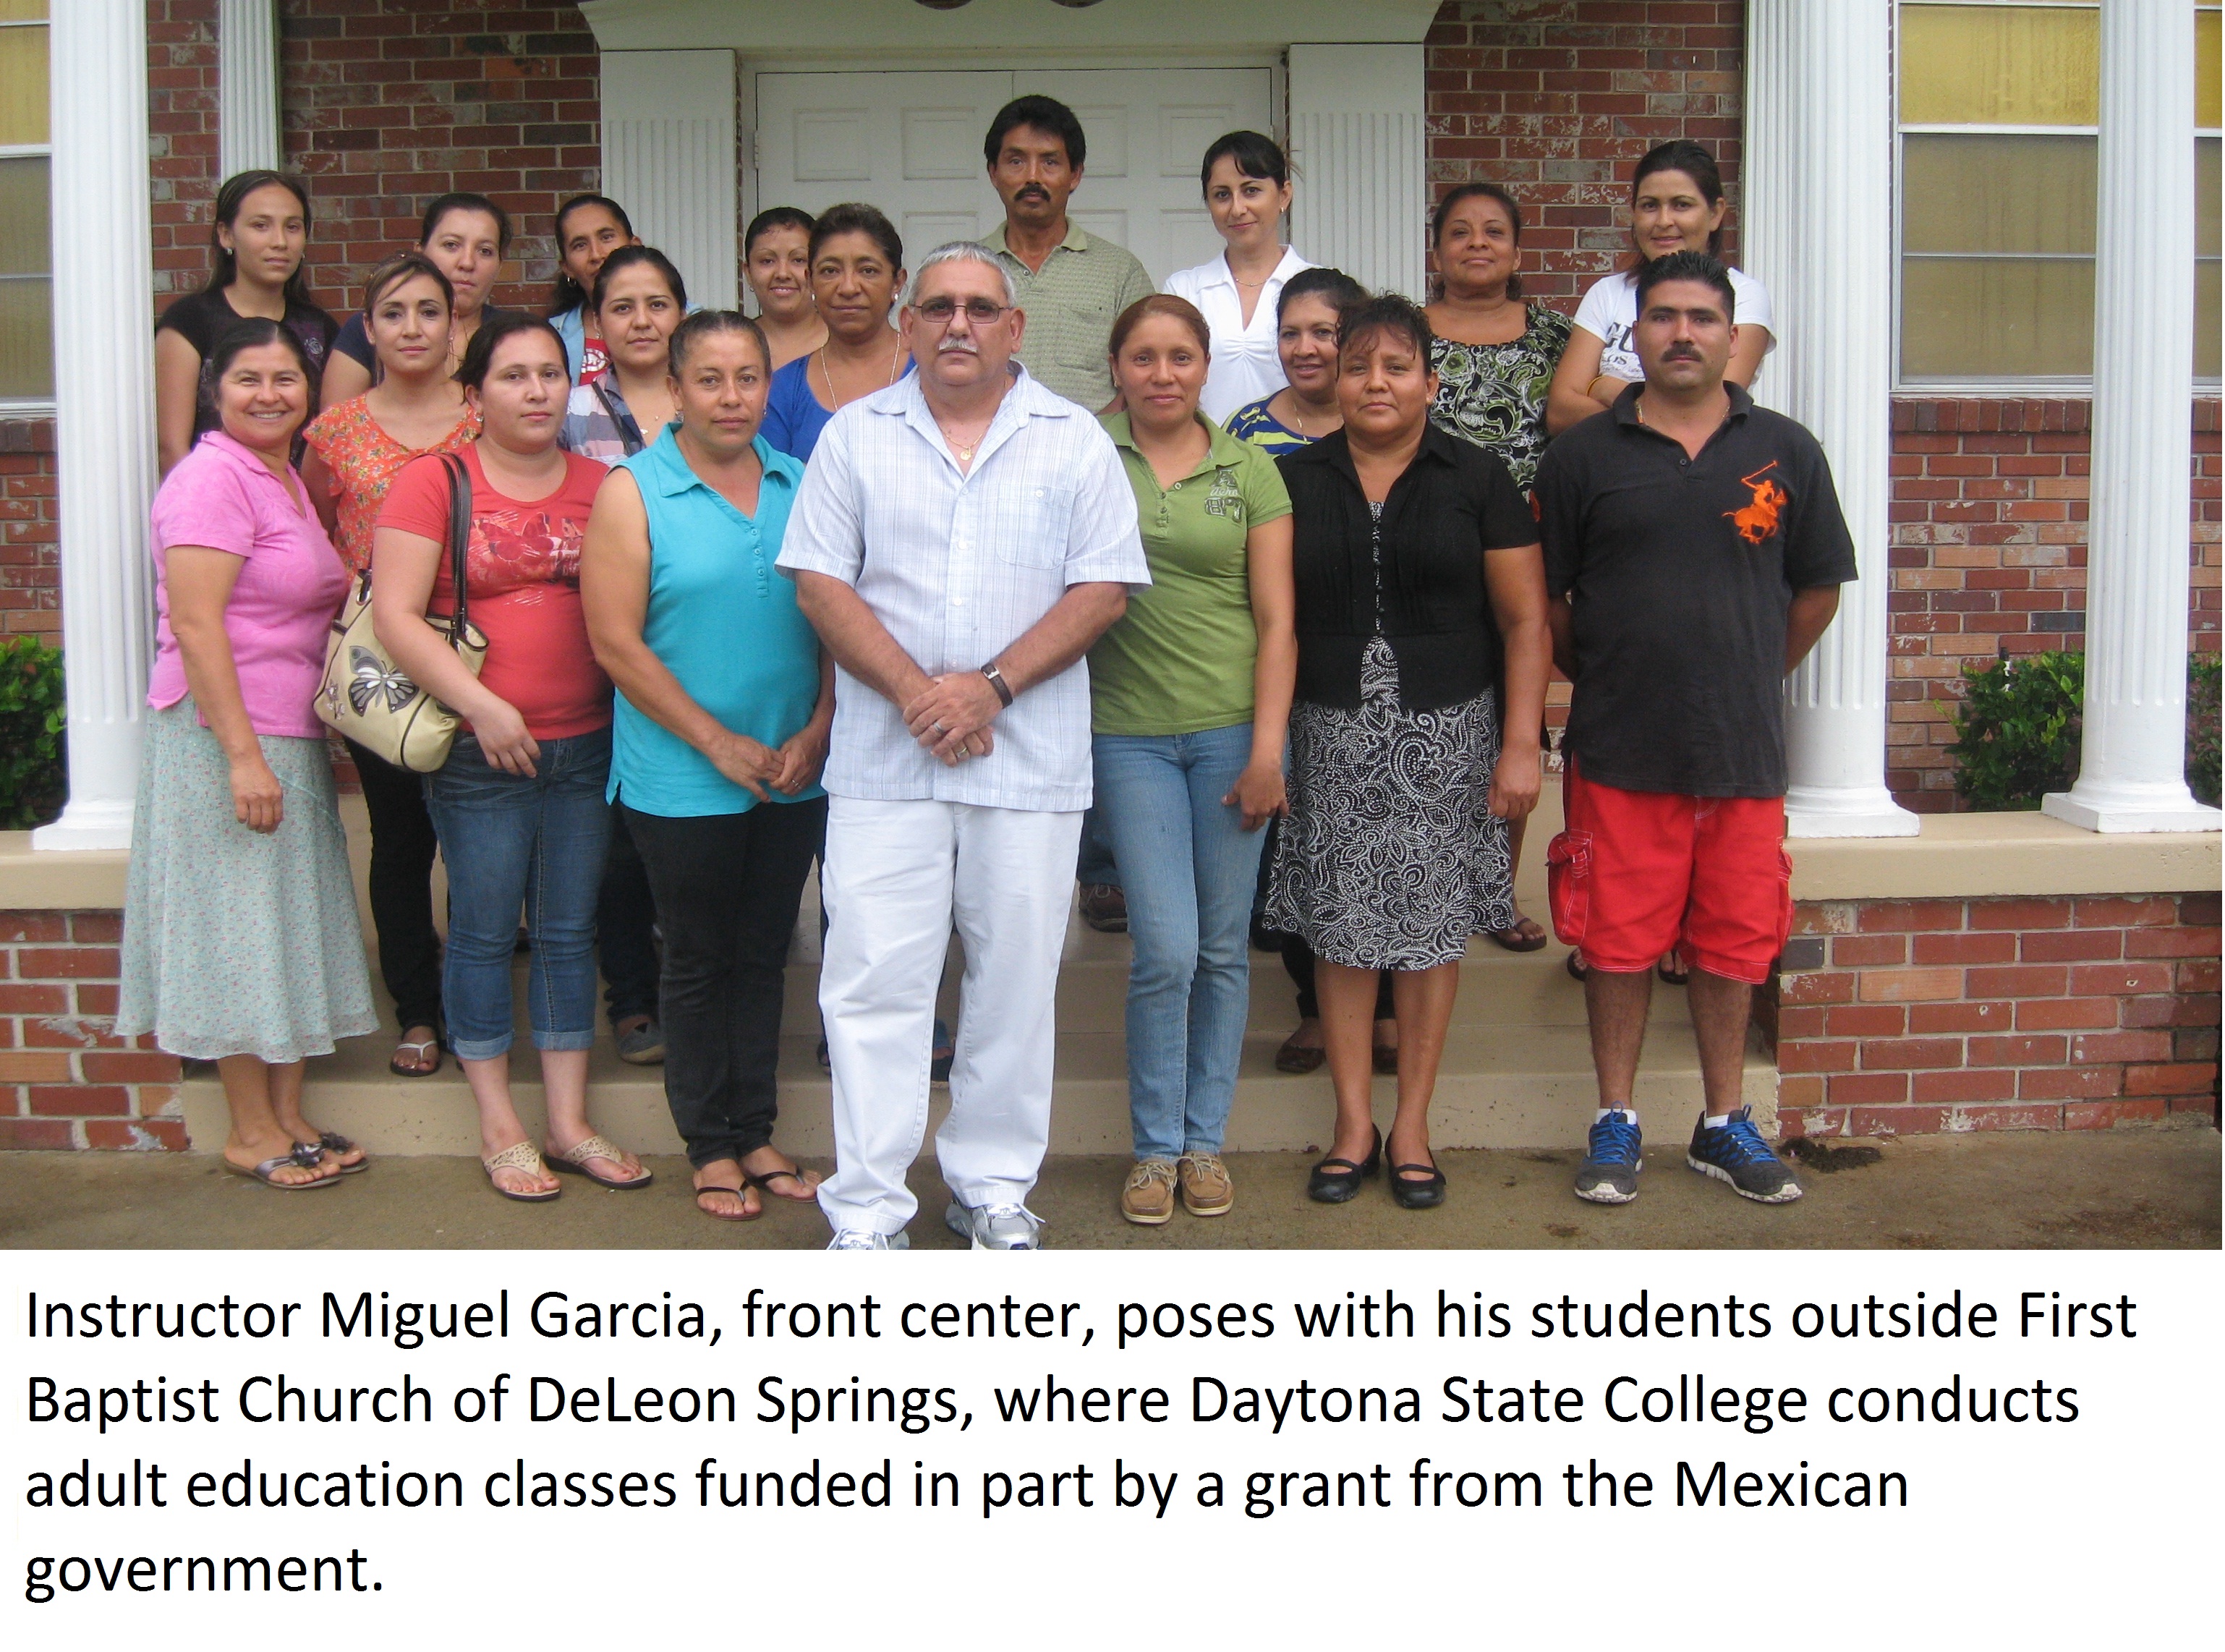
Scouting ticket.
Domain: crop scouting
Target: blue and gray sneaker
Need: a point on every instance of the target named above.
(1609, 1172)
(1734, 1152)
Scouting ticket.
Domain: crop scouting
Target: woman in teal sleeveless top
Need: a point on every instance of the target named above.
(724, 703)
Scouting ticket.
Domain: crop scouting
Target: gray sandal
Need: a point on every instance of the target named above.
(266, 1172)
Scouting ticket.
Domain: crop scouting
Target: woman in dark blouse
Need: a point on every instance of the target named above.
(1419, 578)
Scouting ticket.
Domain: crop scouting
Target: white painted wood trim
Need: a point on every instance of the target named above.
(247, 86)
(669, 156)
(1358, 143)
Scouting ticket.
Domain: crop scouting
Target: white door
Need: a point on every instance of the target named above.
(909, 141)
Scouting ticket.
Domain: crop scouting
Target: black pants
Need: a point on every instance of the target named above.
(402, 849)
(728, 889)
(625, 916)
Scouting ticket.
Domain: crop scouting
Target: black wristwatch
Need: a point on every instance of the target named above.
(996, 681)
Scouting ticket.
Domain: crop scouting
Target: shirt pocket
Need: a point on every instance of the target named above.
(1041, 523)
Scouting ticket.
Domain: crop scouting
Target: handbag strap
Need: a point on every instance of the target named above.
(459, 539)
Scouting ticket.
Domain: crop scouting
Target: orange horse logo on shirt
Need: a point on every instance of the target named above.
(1758, 520)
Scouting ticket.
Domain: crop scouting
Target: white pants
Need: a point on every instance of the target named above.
(897, 876)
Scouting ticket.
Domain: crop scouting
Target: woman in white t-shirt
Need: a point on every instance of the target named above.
(1247, 190)
(1676, 205)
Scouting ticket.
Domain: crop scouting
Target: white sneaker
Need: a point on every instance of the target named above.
(864, 1238)
(995, 1227)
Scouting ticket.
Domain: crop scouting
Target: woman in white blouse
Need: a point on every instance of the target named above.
(1247, 190)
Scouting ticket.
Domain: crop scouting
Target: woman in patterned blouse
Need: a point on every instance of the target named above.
(1494, 357)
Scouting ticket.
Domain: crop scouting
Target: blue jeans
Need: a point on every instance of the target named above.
(513, 844)
(1188, 869)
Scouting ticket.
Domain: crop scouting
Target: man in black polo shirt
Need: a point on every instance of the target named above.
(1694, 549)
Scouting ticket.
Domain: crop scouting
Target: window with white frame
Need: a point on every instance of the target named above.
(26, 307)
(1999, 103)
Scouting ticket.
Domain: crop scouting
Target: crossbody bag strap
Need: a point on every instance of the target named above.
(459, 540)
(628, 427)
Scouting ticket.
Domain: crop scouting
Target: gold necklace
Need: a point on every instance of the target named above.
(826, 372)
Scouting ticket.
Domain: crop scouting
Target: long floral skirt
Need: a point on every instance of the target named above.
(1391, 858)
(238, 942)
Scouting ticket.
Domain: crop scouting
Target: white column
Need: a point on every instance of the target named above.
(1817, 230)
(104, 407)
(247, 86)
(2132, 775)
(1358, 149)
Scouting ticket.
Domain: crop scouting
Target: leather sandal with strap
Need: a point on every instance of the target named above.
(598, 1147)
(518, 1155)
(266, 1172)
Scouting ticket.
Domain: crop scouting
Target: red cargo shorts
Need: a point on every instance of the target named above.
(1636, 873)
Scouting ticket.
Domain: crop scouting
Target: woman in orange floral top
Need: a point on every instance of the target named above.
(355, 448)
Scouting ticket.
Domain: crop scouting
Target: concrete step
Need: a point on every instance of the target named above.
(1517, 1071)
(1502, 1087)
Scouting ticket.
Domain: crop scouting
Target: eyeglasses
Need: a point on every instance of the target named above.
(979, 311)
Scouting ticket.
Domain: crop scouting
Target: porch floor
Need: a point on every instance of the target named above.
(2125, 1189)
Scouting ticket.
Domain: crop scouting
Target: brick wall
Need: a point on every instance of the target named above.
(1896, 1017)
(66, 1081)
(1557, 98)
(389, 103)
(31, 591)
(1988, 514)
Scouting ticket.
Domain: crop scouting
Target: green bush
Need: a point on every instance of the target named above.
(2202, 675)
(2018, 729)
(33, 781)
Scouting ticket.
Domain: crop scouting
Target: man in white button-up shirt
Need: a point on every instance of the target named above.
(959, 541)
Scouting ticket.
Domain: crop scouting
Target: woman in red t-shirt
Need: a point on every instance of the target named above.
(519, 807)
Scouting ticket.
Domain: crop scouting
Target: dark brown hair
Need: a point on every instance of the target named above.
(1443, 215)
(1166, 304)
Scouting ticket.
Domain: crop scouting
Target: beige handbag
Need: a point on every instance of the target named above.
(364, 698)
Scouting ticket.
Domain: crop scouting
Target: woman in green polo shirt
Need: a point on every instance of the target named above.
(1191, 700)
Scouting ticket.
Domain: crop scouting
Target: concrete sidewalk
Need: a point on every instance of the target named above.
(2127, 1189)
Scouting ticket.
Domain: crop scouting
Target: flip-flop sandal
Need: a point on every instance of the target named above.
(1524, 935)
(1294, 1057)
(266, 1174)
(720, 1216)
(1676, 977)
(1576, 967)
(763, 1185)
(309, 1153)
(518, 1155)
(596, 1147)
(423, 1047)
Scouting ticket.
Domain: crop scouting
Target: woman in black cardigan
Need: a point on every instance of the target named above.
(1420, 586)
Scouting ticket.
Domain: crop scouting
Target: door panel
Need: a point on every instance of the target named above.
(909, 141)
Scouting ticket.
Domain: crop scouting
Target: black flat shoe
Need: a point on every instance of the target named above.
(1328, 1185)
(1417, 1193)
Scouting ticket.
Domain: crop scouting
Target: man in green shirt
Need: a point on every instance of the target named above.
(1072, 284)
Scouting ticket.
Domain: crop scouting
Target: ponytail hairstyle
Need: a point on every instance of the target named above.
(223, 268)
(567, 293)
(1443, 216)
(703, 324)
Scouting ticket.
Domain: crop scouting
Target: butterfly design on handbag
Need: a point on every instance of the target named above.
(370, 678)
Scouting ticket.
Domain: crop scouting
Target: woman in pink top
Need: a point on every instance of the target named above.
(240, 940)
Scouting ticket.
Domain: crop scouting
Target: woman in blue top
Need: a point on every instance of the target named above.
(857, 270)
(723, 703)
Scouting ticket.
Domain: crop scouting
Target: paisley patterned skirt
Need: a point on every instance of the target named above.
(1391, 858)
(238, 942)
